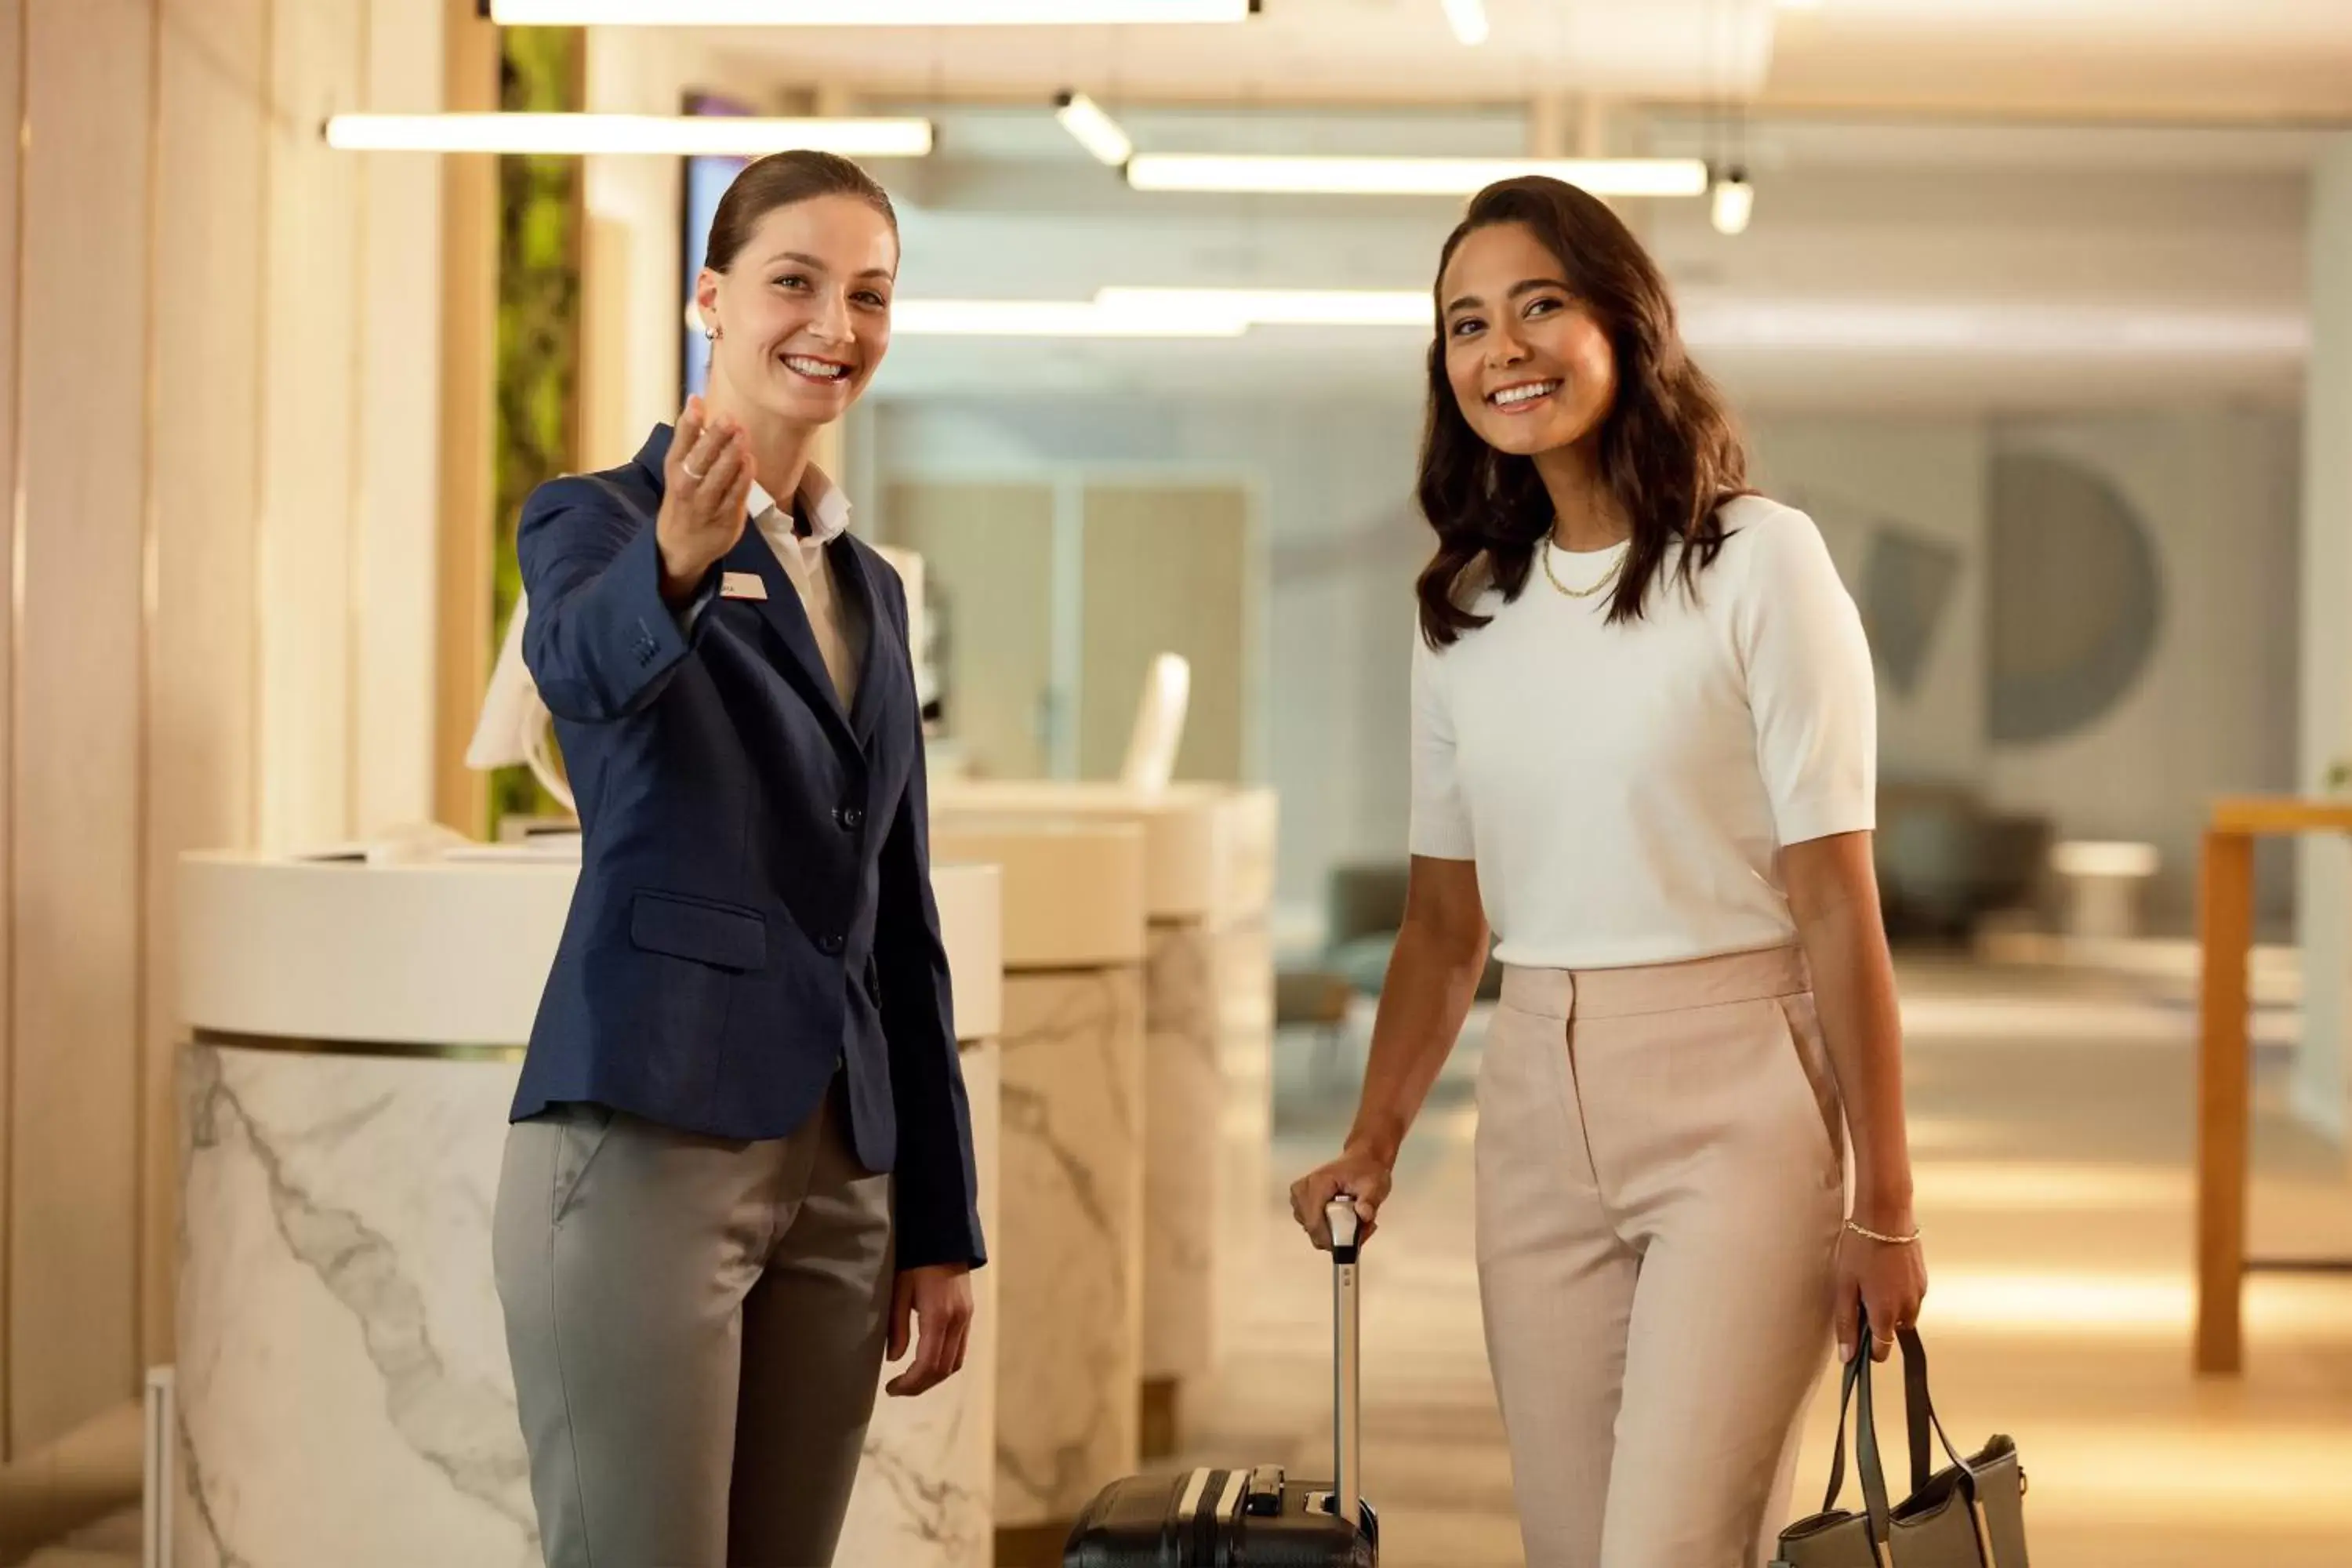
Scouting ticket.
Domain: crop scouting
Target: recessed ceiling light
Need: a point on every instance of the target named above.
(864, 14)
(1469, 20)
(1096, 130)
(681, 135)
(1734, 201)
(1271, 175)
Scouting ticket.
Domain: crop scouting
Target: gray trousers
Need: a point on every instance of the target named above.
(697, 1327)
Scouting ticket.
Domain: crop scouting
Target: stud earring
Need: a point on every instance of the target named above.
(711, 334)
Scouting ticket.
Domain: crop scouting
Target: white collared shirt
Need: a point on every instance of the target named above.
(840, 629)
(838, 624)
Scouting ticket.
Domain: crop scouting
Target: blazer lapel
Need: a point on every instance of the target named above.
(788, 618)
(850, 574)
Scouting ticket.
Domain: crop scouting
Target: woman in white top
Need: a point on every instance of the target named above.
(1644, 730)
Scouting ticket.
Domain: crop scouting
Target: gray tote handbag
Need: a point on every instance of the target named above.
(1970, 1514)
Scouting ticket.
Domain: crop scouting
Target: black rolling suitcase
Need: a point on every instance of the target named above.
(1253, 1518)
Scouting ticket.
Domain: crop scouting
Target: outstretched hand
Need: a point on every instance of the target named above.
(706, 487)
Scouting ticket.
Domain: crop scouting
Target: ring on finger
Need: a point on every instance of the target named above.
(688, 470)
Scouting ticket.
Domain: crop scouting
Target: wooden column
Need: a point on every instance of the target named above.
(2224, 1095)
(469, 328)
(2225, 931)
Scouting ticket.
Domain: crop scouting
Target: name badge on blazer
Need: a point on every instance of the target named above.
(742, 586)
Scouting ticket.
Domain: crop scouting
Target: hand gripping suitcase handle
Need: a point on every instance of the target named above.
(1347, 1433)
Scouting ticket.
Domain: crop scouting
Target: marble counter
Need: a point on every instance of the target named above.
(1208, 871)
(343, 1393)
(926, 1494)
(1070, 1244)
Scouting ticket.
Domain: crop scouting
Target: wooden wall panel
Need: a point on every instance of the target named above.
(311, 364)
(1168, 568)
(75, 903)
(397, 500)
(12, 102)
(206, 291)
(988, 564)
(469, 305)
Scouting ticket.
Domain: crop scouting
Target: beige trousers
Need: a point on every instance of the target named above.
(1661, 1185)
(697, 1329)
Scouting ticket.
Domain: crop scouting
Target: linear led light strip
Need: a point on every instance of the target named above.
(1055, 319)
(862, 12)
(1102, 136)
(1160, 314)
(1826, 326)
(1275, 175)
(686, 135)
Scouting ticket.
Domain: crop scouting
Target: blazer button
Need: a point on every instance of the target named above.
(830, 945)
(851, 817)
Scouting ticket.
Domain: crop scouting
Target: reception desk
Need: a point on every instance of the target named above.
(1208, 888)
(342, 1388)
(1070, 1251)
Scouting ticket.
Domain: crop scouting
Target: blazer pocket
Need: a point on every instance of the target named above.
(707, 933)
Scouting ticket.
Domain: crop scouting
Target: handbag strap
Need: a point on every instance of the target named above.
(1920, 1417)
(1865, 1450)
(1853, 1400)
(1852, 1370)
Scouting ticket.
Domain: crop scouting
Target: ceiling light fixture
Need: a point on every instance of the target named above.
(1469, 20)
(684, 135)
(1284, 307)
(1096, 130)
(1988, 328)
(1057, 319)
(1270, 174)
(1710, 323)
(867, 12)
(1734, 201)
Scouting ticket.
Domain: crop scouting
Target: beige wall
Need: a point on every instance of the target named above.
(988, 562)
(221, 463)
(1167, 566)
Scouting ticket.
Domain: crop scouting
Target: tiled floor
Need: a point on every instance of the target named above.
(2053, 1122)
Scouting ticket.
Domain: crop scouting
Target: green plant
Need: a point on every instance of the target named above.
(539, 330)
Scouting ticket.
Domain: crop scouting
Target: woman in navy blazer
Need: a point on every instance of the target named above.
(740, 1174)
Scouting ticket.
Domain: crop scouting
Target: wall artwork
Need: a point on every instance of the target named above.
(2074, 599)
(1908, 583)
(1904, 579)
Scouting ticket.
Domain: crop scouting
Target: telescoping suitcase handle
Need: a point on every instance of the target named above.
(1347, 1415)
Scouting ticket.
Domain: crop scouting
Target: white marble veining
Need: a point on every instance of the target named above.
(335, 1296)
(926, 1489)
(326, 1291)
(1071, 1242)
(1184, 1093)
(1244, 996)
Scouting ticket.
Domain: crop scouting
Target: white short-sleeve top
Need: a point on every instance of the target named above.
(1625, 789)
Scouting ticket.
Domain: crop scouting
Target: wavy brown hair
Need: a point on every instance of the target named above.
(1668, 450)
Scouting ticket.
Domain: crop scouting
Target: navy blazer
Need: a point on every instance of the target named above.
(754, 910)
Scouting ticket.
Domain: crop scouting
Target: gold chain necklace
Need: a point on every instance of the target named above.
(1606, 578)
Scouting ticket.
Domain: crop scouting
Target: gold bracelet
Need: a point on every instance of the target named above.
(1870, 1235)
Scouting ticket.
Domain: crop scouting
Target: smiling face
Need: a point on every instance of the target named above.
(1529, 366)
(804, 310)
